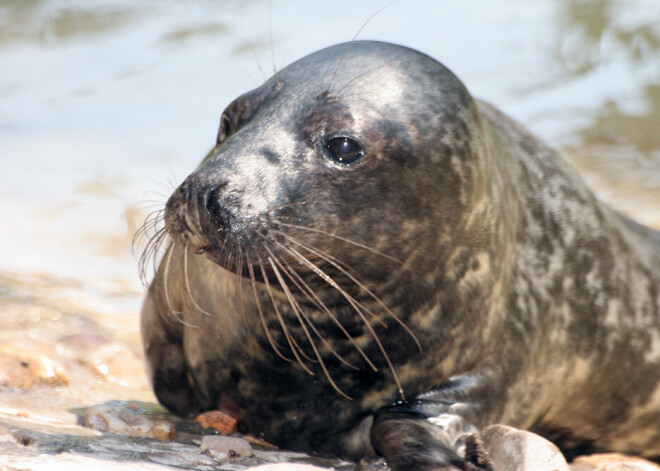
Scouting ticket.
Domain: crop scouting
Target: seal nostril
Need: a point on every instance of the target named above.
(181, 219)
(215, 206)
(184, 191)
(212, 198)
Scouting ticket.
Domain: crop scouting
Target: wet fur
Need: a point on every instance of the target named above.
(461, 269)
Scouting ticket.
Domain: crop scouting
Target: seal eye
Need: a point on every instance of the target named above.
(343, 150)
(225, 128)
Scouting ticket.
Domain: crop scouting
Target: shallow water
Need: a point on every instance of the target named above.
(106, 106)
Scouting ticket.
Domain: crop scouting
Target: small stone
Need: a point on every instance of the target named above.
(224, 423)
(125, 419)
(372, 463)
(518, 450)
(612, 462)
(223, 448)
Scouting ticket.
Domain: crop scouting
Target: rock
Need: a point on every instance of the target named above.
(287, 467)
(612, 462)
(372, 463)
(224, 423)
(126, 419)
(222, 448)
(68, 461)
(511, 449)
(22, 370)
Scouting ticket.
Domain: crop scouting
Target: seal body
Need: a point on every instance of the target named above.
(370, 260)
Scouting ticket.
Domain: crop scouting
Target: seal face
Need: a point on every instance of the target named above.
(371, 260)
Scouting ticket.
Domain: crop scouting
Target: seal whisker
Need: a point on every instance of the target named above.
(178, 315)
(293, 345)
(155, 209)
(186, 277)
(163, 196)
(239, 275)
(309, 293)
(256, 59)
(150, 224)
(275, 346)
(222, 247)
(270, 39)
(358, 309)
(344, 239)
(338, 265)
(151, 205)
(150, 253)
(335, 285)
(350, 44)
(282, 264)
(299, 315)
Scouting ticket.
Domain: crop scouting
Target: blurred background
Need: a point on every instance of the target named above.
(106, 106)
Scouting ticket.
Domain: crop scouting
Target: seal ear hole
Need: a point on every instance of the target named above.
(342, 150)
(225, 128)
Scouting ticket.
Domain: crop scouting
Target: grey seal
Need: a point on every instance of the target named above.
(371, 260)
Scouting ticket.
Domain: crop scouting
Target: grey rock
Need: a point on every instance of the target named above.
(222, 448)
(287, 467)
(511, 449)
(126, 419)
(69, 461)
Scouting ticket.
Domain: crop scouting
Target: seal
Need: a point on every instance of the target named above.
(371, 260)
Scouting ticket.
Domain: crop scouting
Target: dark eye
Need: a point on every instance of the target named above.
(225, 128)
(343, 150)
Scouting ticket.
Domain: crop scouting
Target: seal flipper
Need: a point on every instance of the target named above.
(438, 430)
(409, 442)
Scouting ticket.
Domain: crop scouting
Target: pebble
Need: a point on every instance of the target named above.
(224, 423)
(223, 448)
(519, 450)
(287, 467)
(122, 419)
